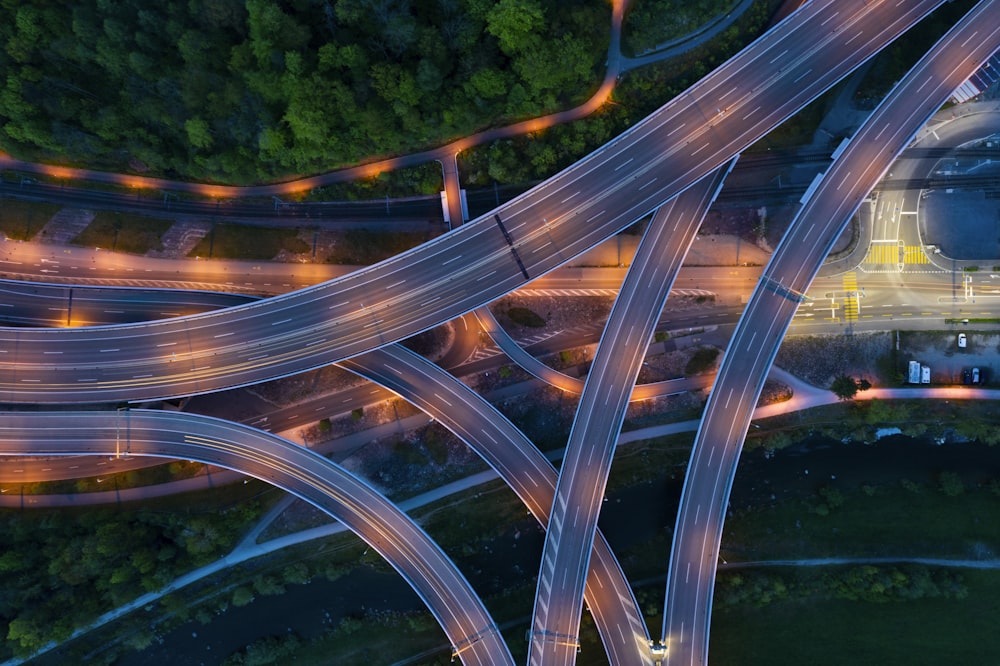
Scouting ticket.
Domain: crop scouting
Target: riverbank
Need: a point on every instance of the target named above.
(771, 492)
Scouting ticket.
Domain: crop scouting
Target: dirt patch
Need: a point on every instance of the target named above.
(289, 390)
(734, 221)
(407, 464)
(774, 392)
(661, 367)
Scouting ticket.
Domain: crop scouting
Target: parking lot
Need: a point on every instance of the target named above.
(947, 361)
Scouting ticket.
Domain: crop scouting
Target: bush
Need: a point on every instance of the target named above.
(242, 596)
(702, 361)
(267, 650)
(951, 484)
(525, 317)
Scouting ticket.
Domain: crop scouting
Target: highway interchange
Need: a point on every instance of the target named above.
(472, 265)
(600, 413)
(820, 221)
(297, 470)
(290, 333)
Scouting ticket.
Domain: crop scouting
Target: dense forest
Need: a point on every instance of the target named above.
(50, 556)
(652, 23)
(245, 91)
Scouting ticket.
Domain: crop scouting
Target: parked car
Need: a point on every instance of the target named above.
(961, 340)
(975, 375)
(966, 376)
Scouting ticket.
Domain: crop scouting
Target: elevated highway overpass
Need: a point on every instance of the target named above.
(654, 161)
(421, 562)
(694, 555)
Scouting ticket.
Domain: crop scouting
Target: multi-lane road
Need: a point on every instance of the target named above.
(694, 554)
(603, 193)
(580, 492)
(524, 468)
(472, 632)
(588, 202)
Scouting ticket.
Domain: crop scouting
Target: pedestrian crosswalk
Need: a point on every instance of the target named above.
(850, 281)
(895, 254)
(491, 350)
(914, 254)
(604, 292)
(882, 253)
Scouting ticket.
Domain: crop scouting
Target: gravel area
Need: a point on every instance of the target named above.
(680, 407)
(819, 358)
(661, 367)
(405, 465)
(289, 390)
(544, 416)
(559, 313)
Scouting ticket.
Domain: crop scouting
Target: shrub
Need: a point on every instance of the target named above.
(242, 596)
(701, 361)
(951, 484)
(525, 317)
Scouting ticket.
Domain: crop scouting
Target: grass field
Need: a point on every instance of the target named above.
(123, 232)
(893, 521)
(21, 220)
(835, 632)
(364, 246)
(238, 241)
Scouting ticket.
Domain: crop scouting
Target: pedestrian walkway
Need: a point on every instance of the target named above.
(894, 254)
(64, 226)
(850, 281)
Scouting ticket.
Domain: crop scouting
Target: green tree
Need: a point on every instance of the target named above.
(26, 635)
(242, 596)
(844, 387)
(199, 135)
(514, 23)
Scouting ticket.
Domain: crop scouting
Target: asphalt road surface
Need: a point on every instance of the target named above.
(751, 351)
(603, 193)
(587, 462)
(472, 632)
